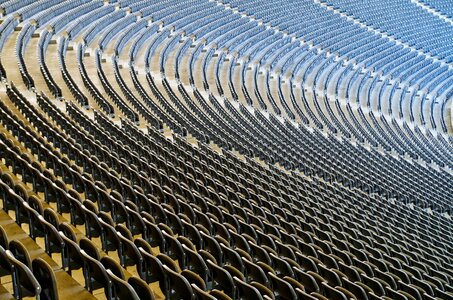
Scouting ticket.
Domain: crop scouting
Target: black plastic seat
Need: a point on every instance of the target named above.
(246, 291)
(153, 270)
(20, 252)
(221, 280)
(111, 264)
(96, 276)
(201, 294)
(46, 278)
(282, 289)
(122, 290)
(178, 286)
(141, 288)
(129, 254)
(24, 282)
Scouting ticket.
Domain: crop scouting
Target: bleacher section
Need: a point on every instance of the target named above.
(225, 149)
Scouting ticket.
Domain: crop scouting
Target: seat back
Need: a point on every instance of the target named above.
(46, 278)
(246, 291)
(121, 288)
(141, 288)
(24, 282)
(179, 287)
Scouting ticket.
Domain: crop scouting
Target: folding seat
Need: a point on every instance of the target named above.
(194, 279)
(118, 211)
(121, 288)
(443, 294)
(46, 279)
(427, 286)
(232, 257)
(302, 295)
(328, 260)
(239, 241)
(281, 288)
(192, 234)
(21, 213)
(333, 293)
(330, 276)
(200, 294)
(96, 276)
(139, 242)
(52, 240)
(174, 249)
(402, 275)
(35, 226)
(90, 248)
(281, 267)
(77, 214)
(307, 280)
(135, 222)
(141, 288)
(179, 287)
(111, 264)
(221, 230)
(285, 250)
(155, 236)
(212, 246)
(246, 291)
(174, 222)
(67, 230)
(129, 254)
(265, 240)
(254, 273)
(259, 254)
(308, 249)
(194, 262)
(109, 238)
(4, 243)
(307, 263)
(355, 289)
(397, 295)
(221, 279)
(20, 252)
(24, 282)
(187, 210)
(411, 289)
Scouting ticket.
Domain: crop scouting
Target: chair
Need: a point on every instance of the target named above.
(282, 289)
(111, 264)
(52, 239)
(46, 278)
(129, 254)
(174, 249)
(310, 284)
(122, 290)
(195, 263)
(194, 278)
(222, 280)
(90, 248)
(153, 270)
(141, 288)
(139, 242)
(179, 287)
(246, 291)
(3, 238)
(333, 293)
(5, 265)
(20, 252)
(303, 295)
(96, 276)
(68, 232)
(24, 282)
(201, 294)
(109, 238)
